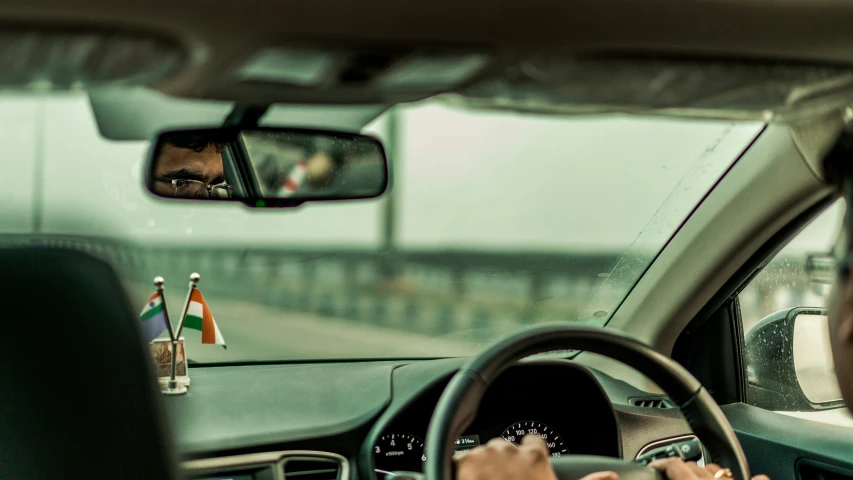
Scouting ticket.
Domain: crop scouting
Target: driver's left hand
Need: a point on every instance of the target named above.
(677, 469)
(501, 460)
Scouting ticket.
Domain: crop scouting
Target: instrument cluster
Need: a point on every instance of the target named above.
(559, 402)
(396, 452)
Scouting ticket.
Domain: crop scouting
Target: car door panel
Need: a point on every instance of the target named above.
(784, 447)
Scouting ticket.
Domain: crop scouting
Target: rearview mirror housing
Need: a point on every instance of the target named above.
(788, 362)
(266, 166)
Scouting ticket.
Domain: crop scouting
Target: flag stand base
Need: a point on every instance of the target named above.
(161, 352)
(173, 388)
(182, 381)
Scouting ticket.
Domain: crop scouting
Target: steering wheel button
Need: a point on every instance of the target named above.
(690, 450)
(653, 455)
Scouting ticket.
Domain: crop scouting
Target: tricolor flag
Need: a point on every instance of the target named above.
(153, 317)
(200, 318)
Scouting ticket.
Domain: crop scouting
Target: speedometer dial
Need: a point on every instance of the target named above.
(515, 432)
(396, 452)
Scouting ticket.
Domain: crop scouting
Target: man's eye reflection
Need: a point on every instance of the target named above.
(190, 168)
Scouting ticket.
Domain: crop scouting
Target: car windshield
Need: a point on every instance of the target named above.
(495, 221)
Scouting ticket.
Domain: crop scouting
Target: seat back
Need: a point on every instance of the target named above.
(78, 397)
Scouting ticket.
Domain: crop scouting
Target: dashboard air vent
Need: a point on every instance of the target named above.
(651, 402)
(311, 468)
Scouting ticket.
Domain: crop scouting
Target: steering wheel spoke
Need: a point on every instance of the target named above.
(575, 467)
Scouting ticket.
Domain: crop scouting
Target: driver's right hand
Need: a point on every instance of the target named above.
(500, 460)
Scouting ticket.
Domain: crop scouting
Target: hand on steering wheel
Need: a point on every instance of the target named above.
(501, 460)
(677, 469)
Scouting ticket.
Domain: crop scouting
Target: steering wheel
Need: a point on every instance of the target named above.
(458, 405)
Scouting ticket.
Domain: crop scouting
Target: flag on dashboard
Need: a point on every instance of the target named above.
(199, 318)
(153, 317)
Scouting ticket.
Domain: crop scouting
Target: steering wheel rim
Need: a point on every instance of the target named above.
(458, 405)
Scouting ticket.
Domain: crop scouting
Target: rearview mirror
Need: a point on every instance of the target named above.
(266, 166)
(788, 362)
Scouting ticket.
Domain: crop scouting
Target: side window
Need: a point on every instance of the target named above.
(786, 338)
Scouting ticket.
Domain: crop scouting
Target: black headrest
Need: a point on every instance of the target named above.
(78, 398)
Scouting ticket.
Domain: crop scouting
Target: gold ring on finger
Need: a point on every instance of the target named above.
(723, 473)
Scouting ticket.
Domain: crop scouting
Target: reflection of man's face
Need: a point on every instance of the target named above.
(184, 172)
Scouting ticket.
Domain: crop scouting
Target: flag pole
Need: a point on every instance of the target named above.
(172, 387)
(194, 278)
(158, 284)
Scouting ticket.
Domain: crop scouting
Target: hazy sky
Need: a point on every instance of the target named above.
(498, 181)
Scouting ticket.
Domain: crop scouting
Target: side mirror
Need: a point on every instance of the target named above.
(266, 166)
(789, 362)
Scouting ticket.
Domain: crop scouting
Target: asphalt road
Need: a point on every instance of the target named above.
(257, 332)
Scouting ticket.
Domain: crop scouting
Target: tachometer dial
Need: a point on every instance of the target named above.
(515, 432)
(396, 452)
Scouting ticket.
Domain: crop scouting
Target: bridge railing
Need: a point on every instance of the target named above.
(441, 292)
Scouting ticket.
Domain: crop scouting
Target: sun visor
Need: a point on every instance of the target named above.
(139, 113)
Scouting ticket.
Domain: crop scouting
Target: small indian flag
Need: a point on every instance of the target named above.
(153, 317)
(200, 318)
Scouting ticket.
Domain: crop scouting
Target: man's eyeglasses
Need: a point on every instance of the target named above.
(185, 188)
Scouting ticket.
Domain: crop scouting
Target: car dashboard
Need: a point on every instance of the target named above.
(324, 421)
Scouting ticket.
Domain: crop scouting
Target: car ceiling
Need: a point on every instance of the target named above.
(222, 33)
(218, 37)
(813, 30)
